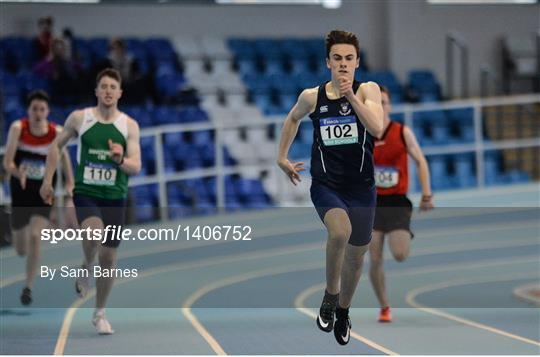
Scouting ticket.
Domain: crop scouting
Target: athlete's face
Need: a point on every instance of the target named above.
(108, 91)
(387, 106)
(342, 60)
(38, 111)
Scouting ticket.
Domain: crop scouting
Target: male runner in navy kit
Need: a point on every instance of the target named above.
(346, 115)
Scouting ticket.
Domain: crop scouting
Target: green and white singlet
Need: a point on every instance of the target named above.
(97, 175)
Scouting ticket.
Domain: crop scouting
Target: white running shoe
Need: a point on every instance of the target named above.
(82, 285)
(103, 327)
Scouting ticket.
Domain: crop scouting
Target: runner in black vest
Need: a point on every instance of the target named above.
(29, 139)
(346, 115)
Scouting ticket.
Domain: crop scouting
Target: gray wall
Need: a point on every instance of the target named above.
(417, 33)
(401, 34)
(170, 20)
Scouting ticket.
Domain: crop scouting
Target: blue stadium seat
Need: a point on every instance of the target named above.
(424, 86)
(179, 208)
(307, 80)
(273, 109)
(32, 82)
(287, 101)
(207, 151)
(82, 52)
(399, 117)
(164, 115)
(210, 183)
(305, 133)
(20, 53)
(160, 49)
(461, 122)
(137, 49)
(205, 207)
(247, 66)
(262, 100)
(273, 66)
(243, 188)
(11, 85)
(242, 48)
(197, 188)
(191, 158)
(464, 170)
(227, 157)
(421, 76)
(192, 114)
(147, 145)
(170, 85)
(385, 78)
(257, 83)
(516, 176)
(439, 174)
(300, 150)
(173, 140)
(294, 46)
(440, 134)
(201, 137)
(165, 68)
(169, 159)
(145, 210)
(299, 65)
(232, 204)
(99, 47)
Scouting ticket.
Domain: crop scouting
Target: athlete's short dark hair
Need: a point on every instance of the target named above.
(385, 90)
(109, 72)
(39, 94)
(336, 37)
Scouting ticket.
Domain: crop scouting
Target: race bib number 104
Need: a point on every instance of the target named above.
(386, 177)
(339, 130)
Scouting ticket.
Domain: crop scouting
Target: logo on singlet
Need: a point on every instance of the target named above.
(345, 110)
(101, 154)
(323, 109)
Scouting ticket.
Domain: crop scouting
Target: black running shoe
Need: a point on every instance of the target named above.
(325, 320)
(342, 328)
(26, 296)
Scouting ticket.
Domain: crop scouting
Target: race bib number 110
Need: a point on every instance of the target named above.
(339, 130)
(100, 175)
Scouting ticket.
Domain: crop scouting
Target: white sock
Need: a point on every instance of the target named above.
(99, 312)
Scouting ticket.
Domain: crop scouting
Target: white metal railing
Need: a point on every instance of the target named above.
(219, 170)
(479, 145)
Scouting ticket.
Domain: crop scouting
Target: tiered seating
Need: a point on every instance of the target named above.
(451, 171)
(18, 58)
(301, 147)
(387, 79)
(145, 198)
(157, 58)
(423, 86)
(275, 70)
(440, 127)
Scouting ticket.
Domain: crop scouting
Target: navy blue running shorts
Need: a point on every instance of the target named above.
(358, 203)
(111, 212)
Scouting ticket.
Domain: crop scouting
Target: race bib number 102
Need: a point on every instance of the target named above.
(100, 175)
(339, 130)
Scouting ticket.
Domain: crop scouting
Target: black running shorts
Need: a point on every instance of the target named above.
(393, 212)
